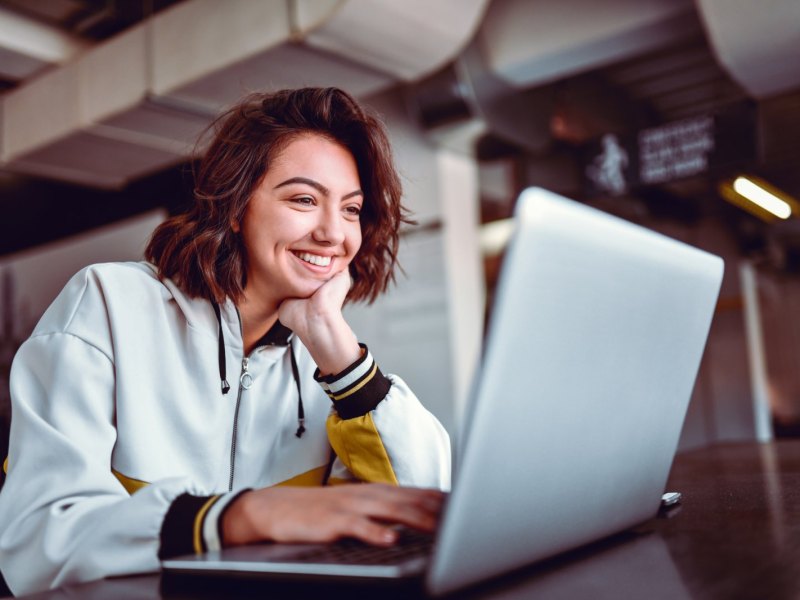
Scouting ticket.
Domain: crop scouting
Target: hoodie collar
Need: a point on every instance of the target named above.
(278, 335)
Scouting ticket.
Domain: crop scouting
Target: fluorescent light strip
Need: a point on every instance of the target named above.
(494, 236)
(758, 195)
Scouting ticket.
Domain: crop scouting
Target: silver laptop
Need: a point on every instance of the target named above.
(595, 340)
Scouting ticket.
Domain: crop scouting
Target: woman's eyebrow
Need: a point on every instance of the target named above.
(351, 194)
(317, 186)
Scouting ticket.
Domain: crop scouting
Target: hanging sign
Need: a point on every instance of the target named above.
(691, 147)
(675, 151)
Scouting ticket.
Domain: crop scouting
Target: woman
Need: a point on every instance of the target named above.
(157, 407)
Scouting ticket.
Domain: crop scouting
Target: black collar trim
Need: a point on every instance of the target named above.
(278, 335)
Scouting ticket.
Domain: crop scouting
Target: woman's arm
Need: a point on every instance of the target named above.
(395, 441)
(64, 516)
(379, 429)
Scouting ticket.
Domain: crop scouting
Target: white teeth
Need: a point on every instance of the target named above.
(320, 261)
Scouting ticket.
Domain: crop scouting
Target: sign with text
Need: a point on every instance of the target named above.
(675, 151)
(670, 152)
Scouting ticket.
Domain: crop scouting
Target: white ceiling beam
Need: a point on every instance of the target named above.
(114, 110)
(36, 40)
(533, 42)
(758, 43)
(407, 39)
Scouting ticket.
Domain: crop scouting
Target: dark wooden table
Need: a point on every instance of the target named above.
(735, 535)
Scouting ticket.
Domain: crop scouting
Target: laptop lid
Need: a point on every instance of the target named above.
(594, 345)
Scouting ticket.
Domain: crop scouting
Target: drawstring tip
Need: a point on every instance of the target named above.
(300, 430)
(226, 387)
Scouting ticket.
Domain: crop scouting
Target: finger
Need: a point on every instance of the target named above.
(342, 282)
(348, 278)
(367, 531)
(413, 516)
(429, 496)
(428, 499)
(396, 510)
(427, 504)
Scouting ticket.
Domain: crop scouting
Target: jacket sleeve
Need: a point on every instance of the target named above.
(381, 432)
(64, 517)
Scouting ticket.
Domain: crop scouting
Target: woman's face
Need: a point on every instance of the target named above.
(301, 225)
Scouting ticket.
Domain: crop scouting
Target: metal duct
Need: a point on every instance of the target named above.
(465, 100)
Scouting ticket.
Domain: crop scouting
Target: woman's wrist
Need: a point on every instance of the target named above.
(235, 528)
(331, 343)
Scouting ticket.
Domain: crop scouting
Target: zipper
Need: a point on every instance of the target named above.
(233, 438)
(245, 381)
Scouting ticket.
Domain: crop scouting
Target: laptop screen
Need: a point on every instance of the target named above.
(595, 340)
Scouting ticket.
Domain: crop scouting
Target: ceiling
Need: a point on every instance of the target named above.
(135, 88)
(542, 76)
(57, 30)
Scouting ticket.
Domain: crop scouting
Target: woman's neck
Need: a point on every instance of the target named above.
(257, 319)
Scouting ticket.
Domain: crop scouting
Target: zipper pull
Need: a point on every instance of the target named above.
(245, 379)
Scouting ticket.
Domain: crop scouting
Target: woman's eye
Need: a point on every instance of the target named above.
(304, 201)
(353, 210)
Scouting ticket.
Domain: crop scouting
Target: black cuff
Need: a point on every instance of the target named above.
(366, 399)
(178, 528)
(329, 380)
(355, 397)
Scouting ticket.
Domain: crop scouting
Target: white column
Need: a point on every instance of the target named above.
(460, 204)
(755, 352)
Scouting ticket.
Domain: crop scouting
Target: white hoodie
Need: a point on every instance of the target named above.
(118, 410)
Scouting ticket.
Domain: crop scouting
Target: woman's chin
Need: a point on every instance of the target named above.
(306, 291)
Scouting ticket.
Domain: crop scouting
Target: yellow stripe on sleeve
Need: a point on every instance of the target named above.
(360, 385)
(198, 524)
(359, 446)
(314, 477)
(130, 484)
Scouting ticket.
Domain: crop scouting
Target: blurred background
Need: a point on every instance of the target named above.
(668, 113)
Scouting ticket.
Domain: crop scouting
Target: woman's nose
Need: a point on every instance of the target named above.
(329, 229)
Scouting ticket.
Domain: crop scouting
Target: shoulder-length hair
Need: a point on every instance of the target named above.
(200, 251)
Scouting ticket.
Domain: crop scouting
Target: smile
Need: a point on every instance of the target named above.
(314, 259)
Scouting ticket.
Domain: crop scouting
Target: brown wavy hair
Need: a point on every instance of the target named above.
(199, 250)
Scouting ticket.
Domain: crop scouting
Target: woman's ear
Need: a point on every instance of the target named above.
(235, 226)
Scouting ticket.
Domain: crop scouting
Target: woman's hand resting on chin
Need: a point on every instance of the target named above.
(318, 322)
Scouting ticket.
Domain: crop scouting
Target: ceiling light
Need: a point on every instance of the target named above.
(763, 198)
(759, 197)
(495, 235)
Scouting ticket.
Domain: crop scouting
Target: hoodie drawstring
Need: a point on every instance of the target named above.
(301, 415)
(223, 366)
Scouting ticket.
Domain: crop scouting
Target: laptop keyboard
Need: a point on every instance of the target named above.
(410, 544)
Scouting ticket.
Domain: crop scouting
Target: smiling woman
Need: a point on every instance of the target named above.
(127, 444)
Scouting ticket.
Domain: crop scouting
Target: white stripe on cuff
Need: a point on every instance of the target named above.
(210, 529)
(353, 376)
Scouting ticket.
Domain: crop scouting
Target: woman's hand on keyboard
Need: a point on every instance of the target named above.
(362, 511)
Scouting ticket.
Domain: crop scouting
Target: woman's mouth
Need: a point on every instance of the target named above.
(314, 259)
